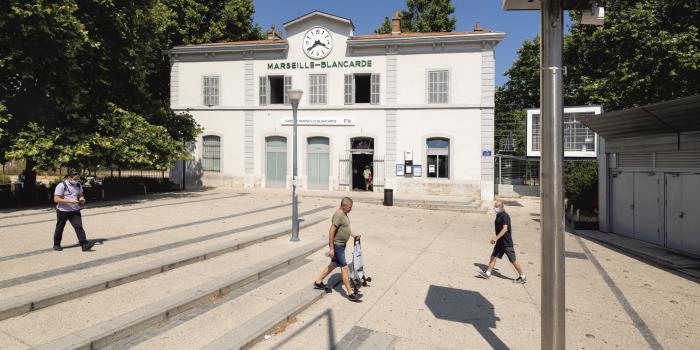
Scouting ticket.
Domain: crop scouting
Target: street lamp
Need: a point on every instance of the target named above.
(294, 97)
(552, 155)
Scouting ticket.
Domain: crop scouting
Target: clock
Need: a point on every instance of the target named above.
(317, 43)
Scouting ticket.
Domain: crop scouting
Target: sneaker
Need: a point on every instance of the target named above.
(87, 246)
(354, 297)
(319, 286)
(484, 275)
(57, 248)
(521, 280)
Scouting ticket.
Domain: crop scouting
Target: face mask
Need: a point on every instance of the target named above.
(73, 182)
(497, 210)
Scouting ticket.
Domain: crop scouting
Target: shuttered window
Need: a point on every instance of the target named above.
(287, 86)
(374, 89)
(264, 91)
(349, 89)
(438, 86)
(317, 89)
(211, 155)
(210, 90)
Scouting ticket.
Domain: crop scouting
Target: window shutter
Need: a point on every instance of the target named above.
(349, 89)
(263, 91)
(287, 86)
(214, 91)
(374, 97)
(322, 89)
(205, 90)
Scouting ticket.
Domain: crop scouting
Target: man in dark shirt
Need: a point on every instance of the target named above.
(503, 243)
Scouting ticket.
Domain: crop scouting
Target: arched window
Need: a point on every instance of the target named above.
(438, 157)
(211, 155)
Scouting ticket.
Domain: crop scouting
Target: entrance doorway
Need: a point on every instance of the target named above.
(318, 163)
(359, 162)
(362, 149)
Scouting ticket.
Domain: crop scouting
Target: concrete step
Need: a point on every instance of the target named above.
(246, 319)
(96, 320)
(38, 299)
(41, 272)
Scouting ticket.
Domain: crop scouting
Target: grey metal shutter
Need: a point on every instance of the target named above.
(678, 160)
(263, 91)
(287, 86)
(374, 91)
(211, 155)
(349, 89)
(634, 160)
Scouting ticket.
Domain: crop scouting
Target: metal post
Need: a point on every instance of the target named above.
(500, 170)
(295, 209)
(551, 175)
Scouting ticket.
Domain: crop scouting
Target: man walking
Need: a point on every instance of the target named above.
(338, 237)
(367, 175)
(68, 197)
(503, 243)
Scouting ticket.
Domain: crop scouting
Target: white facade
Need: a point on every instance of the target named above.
(400, 119)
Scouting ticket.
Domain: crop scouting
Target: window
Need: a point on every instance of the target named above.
(438, 157)
(438, 86)
(317, 89)
(211, 157)
(273, 89)
(210, 90)
(361, 88)
(577, 137)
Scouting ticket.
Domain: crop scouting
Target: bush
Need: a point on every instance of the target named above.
(581, 184)
(5, 180)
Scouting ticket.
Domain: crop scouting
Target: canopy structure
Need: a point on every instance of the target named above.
(669, 117)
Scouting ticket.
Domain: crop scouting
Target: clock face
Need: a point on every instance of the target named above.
(317, 43)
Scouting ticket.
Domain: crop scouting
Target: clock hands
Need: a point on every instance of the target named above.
(316, 43)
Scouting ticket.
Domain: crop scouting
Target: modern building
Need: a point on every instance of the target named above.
(649, 173)
(417, 108)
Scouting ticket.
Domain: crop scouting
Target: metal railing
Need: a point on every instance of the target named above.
(512, 170)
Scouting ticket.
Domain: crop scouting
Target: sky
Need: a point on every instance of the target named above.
(367, 15)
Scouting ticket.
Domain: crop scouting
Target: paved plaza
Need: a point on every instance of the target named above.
(159, 256)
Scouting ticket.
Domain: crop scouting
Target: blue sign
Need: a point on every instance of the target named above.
(486, 153)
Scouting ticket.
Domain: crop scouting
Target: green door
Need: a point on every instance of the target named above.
(318, 163)
(276, 161)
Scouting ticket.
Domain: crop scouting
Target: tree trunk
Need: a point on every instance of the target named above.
(29, 181)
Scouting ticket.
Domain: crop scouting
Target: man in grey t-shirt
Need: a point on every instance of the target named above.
(68, 197)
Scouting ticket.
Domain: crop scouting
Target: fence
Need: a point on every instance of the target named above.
(511, 170)
(15, 167)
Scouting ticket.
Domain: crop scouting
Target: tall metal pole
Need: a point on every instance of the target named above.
(295, 209)
(551, 175)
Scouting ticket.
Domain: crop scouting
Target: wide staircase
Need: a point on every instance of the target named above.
(214, 282)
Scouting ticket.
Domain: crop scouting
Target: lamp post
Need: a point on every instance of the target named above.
(552, 155)
(294, 97)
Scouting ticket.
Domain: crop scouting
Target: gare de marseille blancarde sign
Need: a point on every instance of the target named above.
(321, 64)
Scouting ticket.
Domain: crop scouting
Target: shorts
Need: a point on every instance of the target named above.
(498, 252)
(339, 255)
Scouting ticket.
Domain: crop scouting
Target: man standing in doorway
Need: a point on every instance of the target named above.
(503, 243)
(338, 237)
(68, 197)
(367, 175)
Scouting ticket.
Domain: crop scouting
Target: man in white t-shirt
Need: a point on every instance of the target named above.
(68, 197)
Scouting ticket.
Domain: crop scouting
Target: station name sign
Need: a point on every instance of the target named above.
(342, 121)
(321, 64)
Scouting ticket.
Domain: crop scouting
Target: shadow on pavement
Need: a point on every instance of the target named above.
(465, 306)
(494, 273)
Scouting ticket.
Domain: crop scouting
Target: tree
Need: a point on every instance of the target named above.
(424, 16)
(646, 52)
(70, 68)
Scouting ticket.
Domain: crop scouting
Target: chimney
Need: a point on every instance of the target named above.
(273, 33)
(396, 24)
(477, 27)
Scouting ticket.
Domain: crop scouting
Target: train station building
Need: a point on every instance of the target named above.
(416, 108)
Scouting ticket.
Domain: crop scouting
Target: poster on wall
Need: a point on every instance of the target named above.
(399, 169)
(408, 155)
(408, 169)
(431, 168)
(417, 170)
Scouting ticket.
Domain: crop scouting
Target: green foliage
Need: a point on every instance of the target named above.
(648, 51)
(424, 16)
(70, 70)
(5, 180)
(581, 183)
